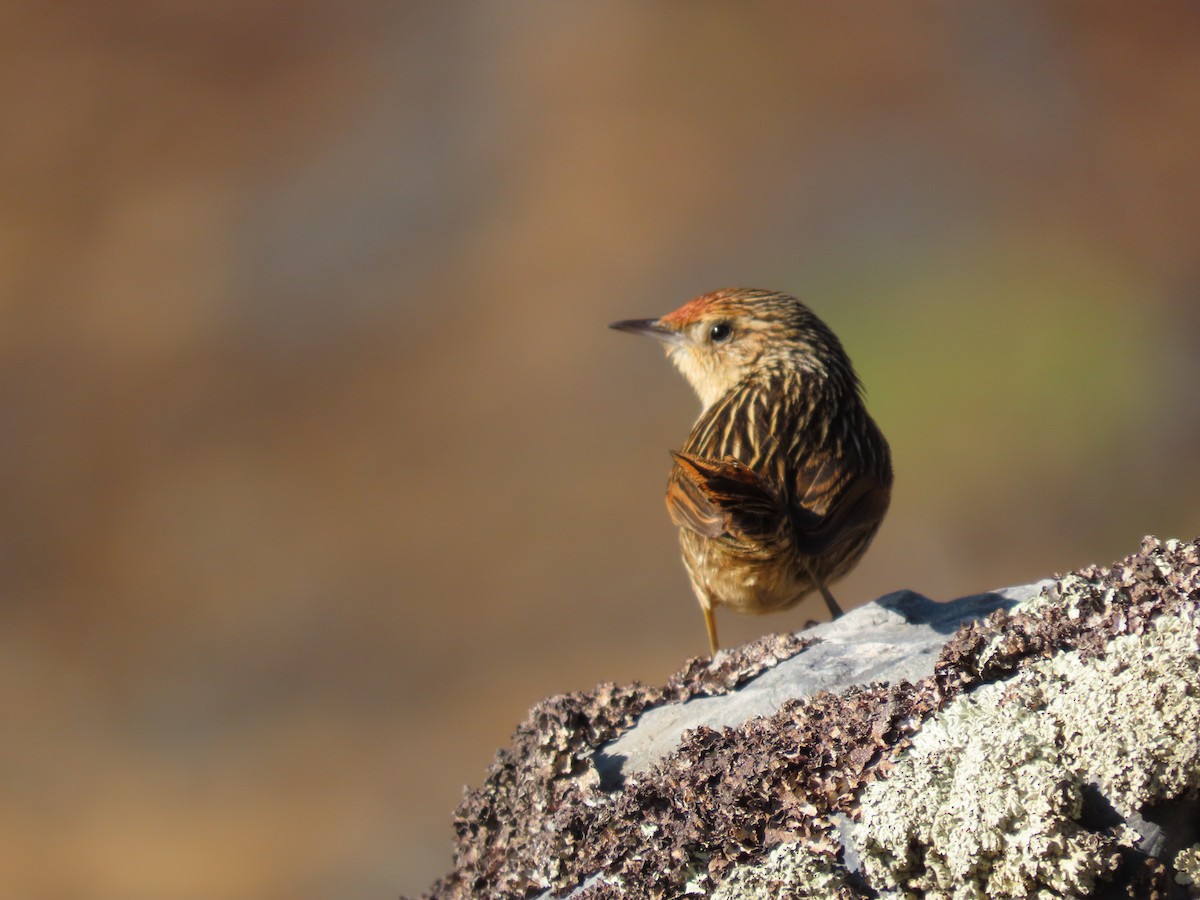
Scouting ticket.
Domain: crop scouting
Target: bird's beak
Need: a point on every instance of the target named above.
(651, 328)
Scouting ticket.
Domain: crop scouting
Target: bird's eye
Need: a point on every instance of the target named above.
(720, 333)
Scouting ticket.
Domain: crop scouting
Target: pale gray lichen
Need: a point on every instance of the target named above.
(1132, 717)
(1187, 865)
(790, 870)
(986, 802)
(979, 807)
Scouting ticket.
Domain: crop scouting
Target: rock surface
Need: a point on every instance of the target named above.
(896, 638)
(1036, 741)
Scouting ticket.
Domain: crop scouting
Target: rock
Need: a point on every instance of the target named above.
(1037, 741)
(895, 638)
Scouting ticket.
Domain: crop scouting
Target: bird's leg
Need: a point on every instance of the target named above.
(834, 609)
(710, 622)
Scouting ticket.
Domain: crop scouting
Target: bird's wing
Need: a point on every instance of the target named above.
(833, 503)
(724, 499)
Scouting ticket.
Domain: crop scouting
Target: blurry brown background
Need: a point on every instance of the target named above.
(319, 465)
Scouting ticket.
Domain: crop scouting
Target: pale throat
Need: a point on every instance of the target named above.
(709, 380)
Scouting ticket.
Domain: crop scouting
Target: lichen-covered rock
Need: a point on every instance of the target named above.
(1187, 866)
(988, 801)
(1131, 718)
(788, 871)
(895, 639)
(536, 823)
(1052, 752)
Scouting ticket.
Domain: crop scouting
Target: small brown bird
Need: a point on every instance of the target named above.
(785, 478)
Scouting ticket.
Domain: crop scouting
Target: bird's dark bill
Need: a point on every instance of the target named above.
(649, 327)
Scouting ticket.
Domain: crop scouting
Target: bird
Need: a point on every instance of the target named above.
(785, 478)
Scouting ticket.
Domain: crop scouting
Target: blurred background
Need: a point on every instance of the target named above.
(319, 465)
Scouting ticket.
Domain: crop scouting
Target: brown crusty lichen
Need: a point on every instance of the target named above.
(540, 821)
(987, 802)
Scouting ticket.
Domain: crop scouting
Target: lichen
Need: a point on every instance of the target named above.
(790, 870)
(1187, 865)
(1132, 717)
(987, 801)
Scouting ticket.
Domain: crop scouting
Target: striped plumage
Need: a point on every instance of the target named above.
(785, 478)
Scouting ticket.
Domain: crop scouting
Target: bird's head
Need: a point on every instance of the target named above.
(717, 340)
